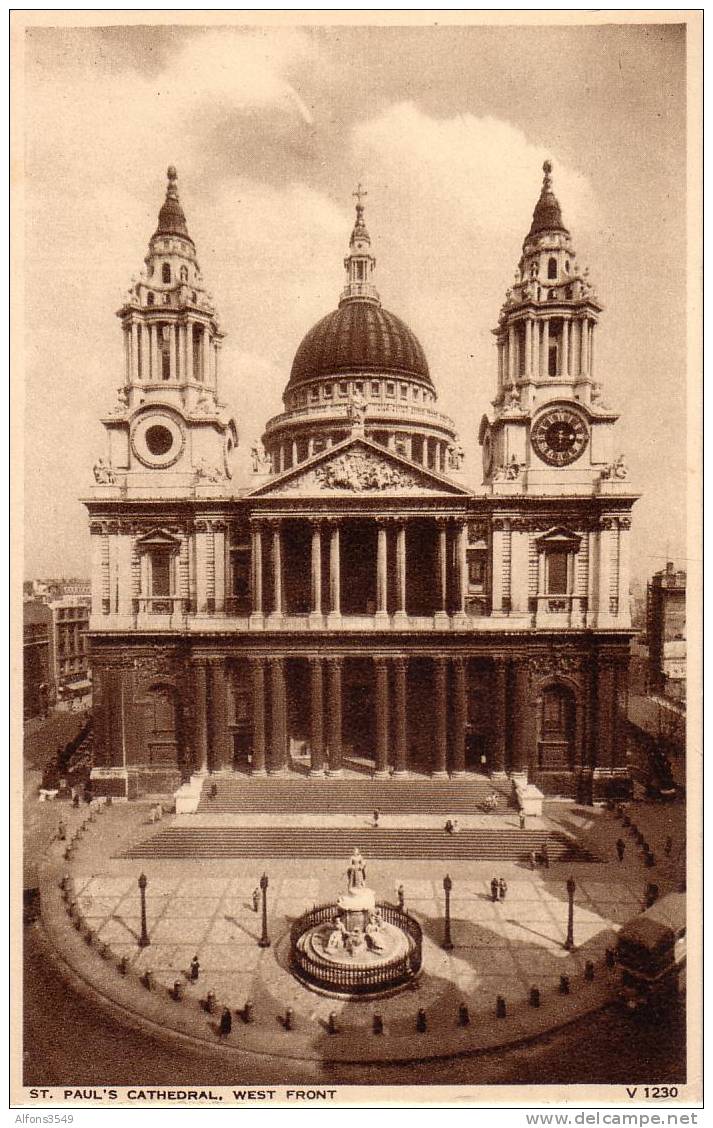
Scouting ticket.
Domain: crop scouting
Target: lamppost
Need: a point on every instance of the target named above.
(447, 886)
(144, 937)
(569, 942)
(264, 941)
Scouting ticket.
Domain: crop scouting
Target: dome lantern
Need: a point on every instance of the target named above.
(359, 262)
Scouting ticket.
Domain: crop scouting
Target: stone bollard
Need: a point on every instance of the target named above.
(89, 937)
(178, 991)
(564, 985)
(123, 965)
(64, 883)
(463, 1015)
(149, 982)
(105, 951)
(421, 1021)
(78, 921)
(626, 821)
(289, 1020)
(248, 1015)
(500, 1007)
(610, 957)
(589, 971)
(650, 860)
(72, 909)
(210, 1002)
(68, 853)
(534, 996)
(378, 1024)
(332, 1027)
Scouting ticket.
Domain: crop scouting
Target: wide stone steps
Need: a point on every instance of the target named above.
(350, 796)
(504, 844)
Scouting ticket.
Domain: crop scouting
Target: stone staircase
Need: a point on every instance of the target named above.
(351, 796)
(502, 843)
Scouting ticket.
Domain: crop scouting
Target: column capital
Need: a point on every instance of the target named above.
(316, 523)
(400, 663)
(335, 661)
(440, 661)
(315, 659)
(257, 661)
(276, 661)
(199, 662)
(381, 661)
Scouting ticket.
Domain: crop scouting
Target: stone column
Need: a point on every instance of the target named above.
(440, 756)
(145, 351)
(317, 718)
(462, 568)
(278, 751)
(190, 374)
(584, 347)
(381, 574)
(545, 354)
(316, 567)
(205, 355)
(511, 353)
(591, 350)
(335, 581)
(459, 716)
(277, 568)
(382, 718)
(172, 351)
(442, 610)
(564, 363)
(256, 573)
(200, 690)
(257, 667)
(500, 717)
(135, 373)
(528, 347)
(520, 719)
(221, 752)
(501, 365)
(400, 726)
(401, 615)
(334, 691)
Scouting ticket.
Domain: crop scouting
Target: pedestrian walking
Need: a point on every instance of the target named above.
(195, 969)
(377, 813)
(668, 847)
(401, 894)
(494, 888)
(620, 848)
(502, 888)
(62, 830)
(256, 900)
(522, 820)
(533, 860)
(226, 1023)
(545, 856)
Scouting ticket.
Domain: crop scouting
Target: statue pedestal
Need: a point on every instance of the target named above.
(356, 906)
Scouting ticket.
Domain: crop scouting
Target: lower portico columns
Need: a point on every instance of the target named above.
(278, 750)
(317, 717)
(200, 689)
(257, 666)
(221, 758)
(334, 690)
(459, 717)
(520, 719)
(500, 689)
(381, 767)
(440, 751)
(400, 730)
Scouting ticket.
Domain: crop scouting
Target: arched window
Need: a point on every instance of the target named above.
(166, 272)
(149, 299)
(552, 268)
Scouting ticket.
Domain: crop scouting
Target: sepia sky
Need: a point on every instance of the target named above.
(270, 131)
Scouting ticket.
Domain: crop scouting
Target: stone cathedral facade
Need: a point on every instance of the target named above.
(360, 604)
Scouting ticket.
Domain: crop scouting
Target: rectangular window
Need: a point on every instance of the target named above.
(552, 361)
(404, 391)
(477, 563)
(314, 393)
(390, 389)
(343, 388)
(557, 568)
(160, 574)
(375, 387)
(327, 391)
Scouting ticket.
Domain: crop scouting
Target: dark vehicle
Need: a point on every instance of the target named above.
(651, 952)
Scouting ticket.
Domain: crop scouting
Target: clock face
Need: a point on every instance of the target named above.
(559, 436)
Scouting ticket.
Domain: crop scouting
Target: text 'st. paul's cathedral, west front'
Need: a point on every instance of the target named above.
(361, 606)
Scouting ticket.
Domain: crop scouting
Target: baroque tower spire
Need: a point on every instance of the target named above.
(359, 262)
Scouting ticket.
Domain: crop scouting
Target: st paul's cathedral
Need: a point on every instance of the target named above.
(360, 606)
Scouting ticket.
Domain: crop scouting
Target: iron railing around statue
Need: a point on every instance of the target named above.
(360, 979)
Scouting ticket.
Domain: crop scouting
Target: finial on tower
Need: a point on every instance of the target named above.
(171, 219)
(172, 188)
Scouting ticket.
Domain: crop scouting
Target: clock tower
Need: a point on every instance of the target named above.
(551, 432)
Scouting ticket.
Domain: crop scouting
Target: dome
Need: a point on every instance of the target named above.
(360, 336)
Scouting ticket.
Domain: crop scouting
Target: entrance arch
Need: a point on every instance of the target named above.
(557, 716)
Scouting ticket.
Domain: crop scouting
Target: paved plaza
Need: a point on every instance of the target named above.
(205, 909)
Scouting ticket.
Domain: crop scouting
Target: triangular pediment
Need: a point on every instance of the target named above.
(158, 538)
(358, 466)
(559, 537)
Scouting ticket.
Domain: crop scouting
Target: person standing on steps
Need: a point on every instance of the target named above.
(545, 855)
(377, 813)
(620, 848)
(522, 820)
(494, 888)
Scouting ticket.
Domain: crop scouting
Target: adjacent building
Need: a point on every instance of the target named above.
(361, 603)
(666, 632)
(37, 675)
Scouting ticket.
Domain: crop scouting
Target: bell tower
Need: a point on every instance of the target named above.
(551, 431)
(168, 426)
